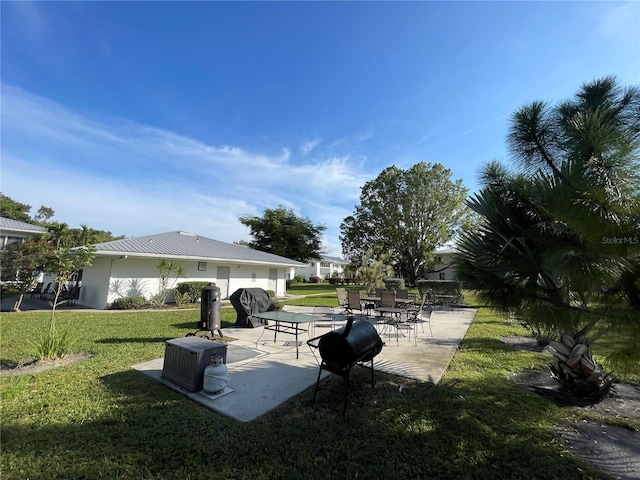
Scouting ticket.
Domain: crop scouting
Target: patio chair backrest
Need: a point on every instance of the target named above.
(402, 293)
(387, 299)
(75, 292)
(379, 291)
(342, 296)
(423, 302)
(354, 300)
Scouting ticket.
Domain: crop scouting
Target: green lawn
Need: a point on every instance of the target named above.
(101, 419)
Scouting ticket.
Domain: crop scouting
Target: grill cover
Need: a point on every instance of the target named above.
(345, 346)
(247, 301)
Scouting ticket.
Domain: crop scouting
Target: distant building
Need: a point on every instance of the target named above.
(13, 231)
(444, 268)
(324, 268)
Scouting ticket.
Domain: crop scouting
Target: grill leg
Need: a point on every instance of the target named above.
(346, 392)
(317, 382)
(373, 385)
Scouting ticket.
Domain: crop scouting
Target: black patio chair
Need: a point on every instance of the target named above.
(70, 295)
(45, 291)
(37, 289)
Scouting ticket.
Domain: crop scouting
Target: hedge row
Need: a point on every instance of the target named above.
(128, 303)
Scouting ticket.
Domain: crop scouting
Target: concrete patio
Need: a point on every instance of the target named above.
(264, 374)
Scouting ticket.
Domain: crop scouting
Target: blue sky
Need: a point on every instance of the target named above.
(147, 117)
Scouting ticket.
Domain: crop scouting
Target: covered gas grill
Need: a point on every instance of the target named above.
(248, 301)
(357, 343)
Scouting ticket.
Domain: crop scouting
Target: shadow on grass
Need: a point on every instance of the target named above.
(473, 429)
(193, 326)
(134, 340)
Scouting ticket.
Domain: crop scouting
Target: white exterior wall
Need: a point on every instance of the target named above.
(444, 270)
(95, 283)
(110, 278)
(314, 269)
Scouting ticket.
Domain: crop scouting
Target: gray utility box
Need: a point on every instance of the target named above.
(186, 358)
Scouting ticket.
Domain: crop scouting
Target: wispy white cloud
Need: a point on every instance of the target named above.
(620, 19)
(136, 179)
(29, 18)
(307, 147)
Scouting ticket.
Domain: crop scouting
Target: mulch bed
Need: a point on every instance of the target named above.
(610, 448)
(36, 366)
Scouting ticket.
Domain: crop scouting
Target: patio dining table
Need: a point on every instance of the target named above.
(376, 300)
(286, 322)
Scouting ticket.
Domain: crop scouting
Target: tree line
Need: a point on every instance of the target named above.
(65, 235)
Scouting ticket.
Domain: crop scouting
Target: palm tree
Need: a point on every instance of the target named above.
(558, 243)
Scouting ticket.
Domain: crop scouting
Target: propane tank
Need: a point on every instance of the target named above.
(215, 375)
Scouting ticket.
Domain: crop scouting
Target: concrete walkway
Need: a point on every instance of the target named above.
(267, 374)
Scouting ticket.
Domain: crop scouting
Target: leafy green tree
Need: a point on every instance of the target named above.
(373, 270)
(72, 237)
(46, 253)
(14, 210)
(281, 232)
(44, 214)
(408, 213)
(23, 261)
(167, 271)
(77, 237)
(59, 234)
(9, 208)
(63, 263)
(559, 241)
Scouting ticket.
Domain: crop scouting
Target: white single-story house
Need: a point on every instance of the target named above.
(13, 231)
(443, 269)
(127, 267)
(323, 268)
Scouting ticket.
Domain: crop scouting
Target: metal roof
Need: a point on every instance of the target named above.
(16, 226)
(337, 260)
(186, 245)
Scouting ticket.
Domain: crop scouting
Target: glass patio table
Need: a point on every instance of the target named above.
(376, 300)
(286, 322)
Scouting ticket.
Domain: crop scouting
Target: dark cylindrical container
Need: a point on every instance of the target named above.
(210, 308)
(360, 343)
